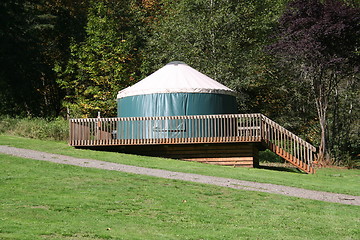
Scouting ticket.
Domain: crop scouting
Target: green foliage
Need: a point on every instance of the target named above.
(344, 122)
(103, 63)
(57, 129)
(20, 54)
(220, 39)
(269, 156)
(33, 36)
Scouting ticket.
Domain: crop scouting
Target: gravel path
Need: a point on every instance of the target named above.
(218, 181)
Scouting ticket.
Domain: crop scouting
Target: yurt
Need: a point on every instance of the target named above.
(178, 112)
(176, 90)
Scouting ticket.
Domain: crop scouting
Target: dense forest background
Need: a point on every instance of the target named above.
(298, 62)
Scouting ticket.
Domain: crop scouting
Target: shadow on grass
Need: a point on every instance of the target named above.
(281, 169)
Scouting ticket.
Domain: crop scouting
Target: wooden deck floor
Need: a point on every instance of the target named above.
(171, 135)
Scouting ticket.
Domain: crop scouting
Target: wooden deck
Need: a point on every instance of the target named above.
(182, 132)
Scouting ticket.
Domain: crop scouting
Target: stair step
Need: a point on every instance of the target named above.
(290, 158)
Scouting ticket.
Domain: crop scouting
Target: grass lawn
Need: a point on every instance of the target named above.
(42, 200)
(326, 179)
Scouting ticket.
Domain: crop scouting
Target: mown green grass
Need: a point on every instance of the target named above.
(326, 179)
(42, 200)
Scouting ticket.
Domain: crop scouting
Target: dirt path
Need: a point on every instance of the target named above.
(218, 181)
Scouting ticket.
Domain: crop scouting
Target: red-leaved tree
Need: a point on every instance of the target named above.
(320, 40)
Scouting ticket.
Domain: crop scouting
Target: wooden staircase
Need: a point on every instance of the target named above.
(288, 146)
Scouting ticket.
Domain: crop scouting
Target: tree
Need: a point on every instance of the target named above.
(222, 39)
(20, 58)
(33, 36)
(344, 116)
(321, 42)
(103, 63)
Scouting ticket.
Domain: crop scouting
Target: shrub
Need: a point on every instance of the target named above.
(55, 129)
(269, 156)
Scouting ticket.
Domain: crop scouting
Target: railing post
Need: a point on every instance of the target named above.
(262, 129)
(71, 130)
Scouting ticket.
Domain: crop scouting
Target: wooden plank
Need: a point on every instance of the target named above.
(221, 159)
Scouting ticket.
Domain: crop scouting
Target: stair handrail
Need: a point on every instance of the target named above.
(288, 145)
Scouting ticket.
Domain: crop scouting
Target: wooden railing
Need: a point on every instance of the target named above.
(165, 130)
(193, 129)
(287, 145)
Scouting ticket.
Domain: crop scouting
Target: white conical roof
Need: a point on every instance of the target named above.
(175, 77)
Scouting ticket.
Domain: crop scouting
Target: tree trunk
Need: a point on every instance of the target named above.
(321, 86)
(321, 105)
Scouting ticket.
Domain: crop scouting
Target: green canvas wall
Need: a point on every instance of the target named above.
(176, 104)
(170, 104)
